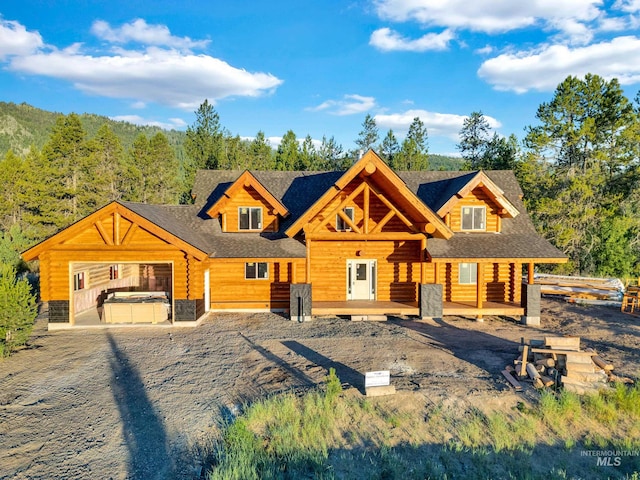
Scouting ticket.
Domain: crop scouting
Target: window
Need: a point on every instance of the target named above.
(78, 281)
(341, 225)
(473, 218)
(467, 273)
(256, 270)
(250, 218)
(114, 272)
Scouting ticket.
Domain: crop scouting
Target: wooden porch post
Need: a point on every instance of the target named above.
(308, 263)
(423, 266)
(479, 288)
(531, 279)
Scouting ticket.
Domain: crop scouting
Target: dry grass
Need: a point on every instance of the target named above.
(325, 434)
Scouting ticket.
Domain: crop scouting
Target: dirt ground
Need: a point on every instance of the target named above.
(142, 402)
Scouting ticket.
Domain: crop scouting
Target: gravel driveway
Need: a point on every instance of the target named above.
(143, 403)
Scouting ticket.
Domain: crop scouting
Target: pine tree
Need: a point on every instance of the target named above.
(261, 153)
(204, 142)
(474, 139)
(18, 310)
(414, 152)
(307, 158)
(330, 155)
(108, 166)
(368, 136)
(390, 148)
(287, 153)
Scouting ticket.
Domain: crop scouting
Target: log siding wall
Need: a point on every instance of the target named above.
(398, 268)
(477, 198)
(230, 289)
(248, 197)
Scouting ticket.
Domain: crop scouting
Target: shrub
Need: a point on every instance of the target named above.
(18, 310)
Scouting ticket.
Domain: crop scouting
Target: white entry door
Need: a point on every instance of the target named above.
(361, 279)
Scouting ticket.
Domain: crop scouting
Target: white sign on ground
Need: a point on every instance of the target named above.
(377, 379)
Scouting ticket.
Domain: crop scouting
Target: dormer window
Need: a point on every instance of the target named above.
(250, 218)
(474, 218)
(341, 225)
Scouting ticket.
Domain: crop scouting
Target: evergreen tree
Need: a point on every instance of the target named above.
(368, 136)
(287, 153)
(330, 154)
(154, 168)
(108, 168)
(18, 310)
(389, 148)
(307, 158)
(261, 153)
(414, 153)
(474, 139)
(67, 153)
(499, 153)
(12, 170)
(584, 155)
(204, 142)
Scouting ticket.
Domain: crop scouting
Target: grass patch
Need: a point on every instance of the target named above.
(325, 434)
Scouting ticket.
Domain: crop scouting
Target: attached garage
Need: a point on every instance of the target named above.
(117, 266)
(131, 292)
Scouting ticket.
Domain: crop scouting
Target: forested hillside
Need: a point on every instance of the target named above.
(579, 167)
(23, 126)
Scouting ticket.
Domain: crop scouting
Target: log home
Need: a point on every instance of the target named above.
(366, 242)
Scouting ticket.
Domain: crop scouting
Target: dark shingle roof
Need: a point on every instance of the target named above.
(298, 191)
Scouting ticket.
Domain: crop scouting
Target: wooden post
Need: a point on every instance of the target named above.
(366, 208)
(531, 279)
(436, 272)
(479, 288)
(116, 228)
(423, 266)
(308, 262)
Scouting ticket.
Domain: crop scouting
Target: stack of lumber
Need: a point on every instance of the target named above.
(580, 288)
(555, 362)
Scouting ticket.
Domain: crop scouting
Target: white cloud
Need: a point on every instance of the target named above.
(545, 68)
(490, 16)
(172, 124)
(348, 105)
(629, 6)
(16, 40)
(163, 76)
(437, 124)
(388, 40)
(139, 31)
(486, 50)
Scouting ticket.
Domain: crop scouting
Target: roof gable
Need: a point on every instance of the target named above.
(247, 179)
(114, 225)
(388, 187)
(464, 185)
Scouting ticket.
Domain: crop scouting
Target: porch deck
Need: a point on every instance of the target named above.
(372, 307)
(365, 307)
(488, 308)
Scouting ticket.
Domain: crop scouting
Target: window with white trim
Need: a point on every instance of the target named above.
(78, 281)
(256, 270)
(249, 218)
(341, 225)
(467, 273)
(474, 218)
(114, 272)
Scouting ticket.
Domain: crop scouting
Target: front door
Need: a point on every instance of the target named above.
(361, 279)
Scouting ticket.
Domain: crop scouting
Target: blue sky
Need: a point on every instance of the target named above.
(317, 67)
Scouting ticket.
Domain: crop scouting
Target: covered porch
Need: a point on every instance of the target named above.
(374, 307)
(364, 307)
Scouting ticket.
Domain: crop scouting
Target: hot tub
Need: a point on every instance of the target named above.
(136, 307)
